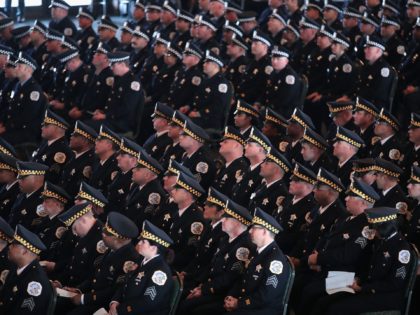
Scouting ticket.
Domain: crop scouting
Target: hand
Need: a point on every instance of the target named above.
(315, 268)
(48, 265)
(311, 96)
(77, 299)
(2, 128)
(344, 98)
(56, 284)
(295, 261)
(75, 113)
(409, 89)
(74, 290)
(312, 259)
(194, 114)
(184, 109)
(317, 97)
(57, 104)
(98, 115)
(182, 274)
(231, 303)
(113, 308)
(196, 292)
(356, 287)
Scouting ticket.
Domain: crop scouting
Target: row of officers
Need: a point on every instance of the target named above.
(313, 63)
(225, 268)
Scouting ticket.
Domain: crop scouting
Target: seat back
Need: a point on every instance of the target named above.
(303, 91)
(411, 280)
(176, 293)
(289, 285)
(393, 87)
(52, 302)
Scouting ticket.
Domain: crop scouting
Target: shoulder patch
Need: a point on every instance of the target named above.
(404, 256)
(276, 267)
(34, 288)
(154, 199)
(385, 72)
(196, 80)
(135, 86)
(242, 253)
(268, 70)
(290, 79)
(101, 247)
(159, 277)
(34, 96)
(222, 88)
(60, 157)
(394, 154)
(68, 31)
(59, 232)
(109, 81)
(347, 68)
(202, 167)
(197, 228)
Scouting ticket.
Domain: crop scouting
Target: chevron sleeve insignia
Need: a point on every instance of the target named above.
(28, 303)
(272, 281)
(151, 293)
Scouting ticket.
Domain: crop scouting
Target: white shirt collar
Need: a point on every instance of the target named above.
(384, 192)
(20, 270)
(253, 167)
(259, 250)
(52, 141)
(8, 186)
(181, 211)
(80, 154)
(245, 130)
(322, 209)
(343, 163)
(145, 261)
(273, 182)
(383, 141)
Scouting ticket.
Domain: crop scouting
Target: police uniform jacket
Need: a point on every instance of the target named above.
(235, 70)
(156, 144)
(269, 198)
(342, 78)
(118, 191)
(230, 175)
(8, 196)
(201, 164)
(242, 191)
(103, 173)
(172, 151)
(64, 26)
(413, 229)
(27, 293)
(51, 232)
(24, 210)
(137, 60)
(317, 69)
(392, 150)
(86, 39)
(147, 290)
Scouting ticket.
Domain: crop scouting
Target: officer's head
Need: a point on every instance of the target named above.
(383, 181)
(106, 33)
(126, 161)
(350, 21)
(153, 14)
(104, 146)
(279, 62)
(138, 12)
(210, 67)
(413, 186)
(310, 152)
(275, 25)
(324, 194)
(18, 254)
(232, 226)
(383, 129)
(169, 180)
(313, 13)
(30, 183)
(23, 71)
(212, 211)
(388, 30)
(343, 149)
(254, 150)
(58, 13)
(139, 42)
(323, 41)
(293, 5)
(373, 53)
(299, 187)
(182, 25)
(204, 32)
(84, 21)
(356, 205)
(142, 175)
(159, 48)
(126, 37)
(230, 147)
(259, 48)
(307, 33)
(216, 8)
(51, 131)
(82, 225)
(329, 14)
(414, 135)
(181, 195)
(271, 170)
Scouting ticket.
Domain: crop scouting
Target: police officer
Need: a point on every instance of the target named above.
(148, 288)
(10, 187)
(104, 168)
(60, 20)
(272, 192)
(308, 29)
(39, 40)
(118, 261)
(206, 34)
(395, 48)
(236, 50)
(345, 148)
(268, 272)
(198, 157)
(256, 150)
(146, 195)
(295, 210)
(174, 151)
(342, 115)
(120, 186)
(314, 151)
(412, 152)
(389, 270)
(23, 116)
(232, 150)
(107, 30)
(183, 22)
(125, 102)
(52, 230)
(274, 127)
(140, 43)
(227, 265)
(86, 37)
(54, 151)
(6, 237)
(94, 196)
(364, 115)
(332, 14)
(245, 117)
(283, 84)
(156, 144)
(351, 18)
(25, 209)
(188, 79)
(88, 248)
(188, 224)
(388, 146)
(27, 290)
(79, 166)
(350, 235)
(215, 89)
(413, 228)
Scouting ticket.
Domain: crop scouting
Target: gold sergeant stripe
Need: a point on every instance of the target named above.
(5, 151)
(329, 183)
(50, 194)
(349, 140)
(361, 194)
(278, 162)
(149, 236)
(28, 245)
(382, 219)
(188, 187)
(85, 195)
(84, 134)
(77, 215)
(268, 226)
(216, 201)
(4, 166)
(50, 121)
(237, 216)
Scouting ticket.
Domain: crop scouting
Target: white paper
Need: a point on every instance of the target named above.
(65, 293)
(339, 281)
(101, 311)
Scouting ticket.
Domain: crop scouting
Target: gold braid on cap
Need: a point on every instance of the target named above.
(4, 166)
(366, 108)
(388, 120)
(339, 108)
(275, 120)
(349, 140)
(216, 201)
(77, 215)
(237, 216)
(387, 172)
(268, 226)
(329, 183)
(278, 162)
(160, 114)
(50, 121)
(109, 137)
(50, 194)
(383, 219)
(111, 231)
(3, 236)
(128, 150)
(299, 121)
(260, 142)
(147, 165)
(232, 136)
(28, 245)
(180, 123)
(361, 194)
(84, 134)
(30, 172)
(85, 195)
(313, 141)
(149, 236)
(364, 169)
(415, 123)
(415, 178)
(188, 188)
(303, 176)
(246, 110)
(193, 135)
(5, 151)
